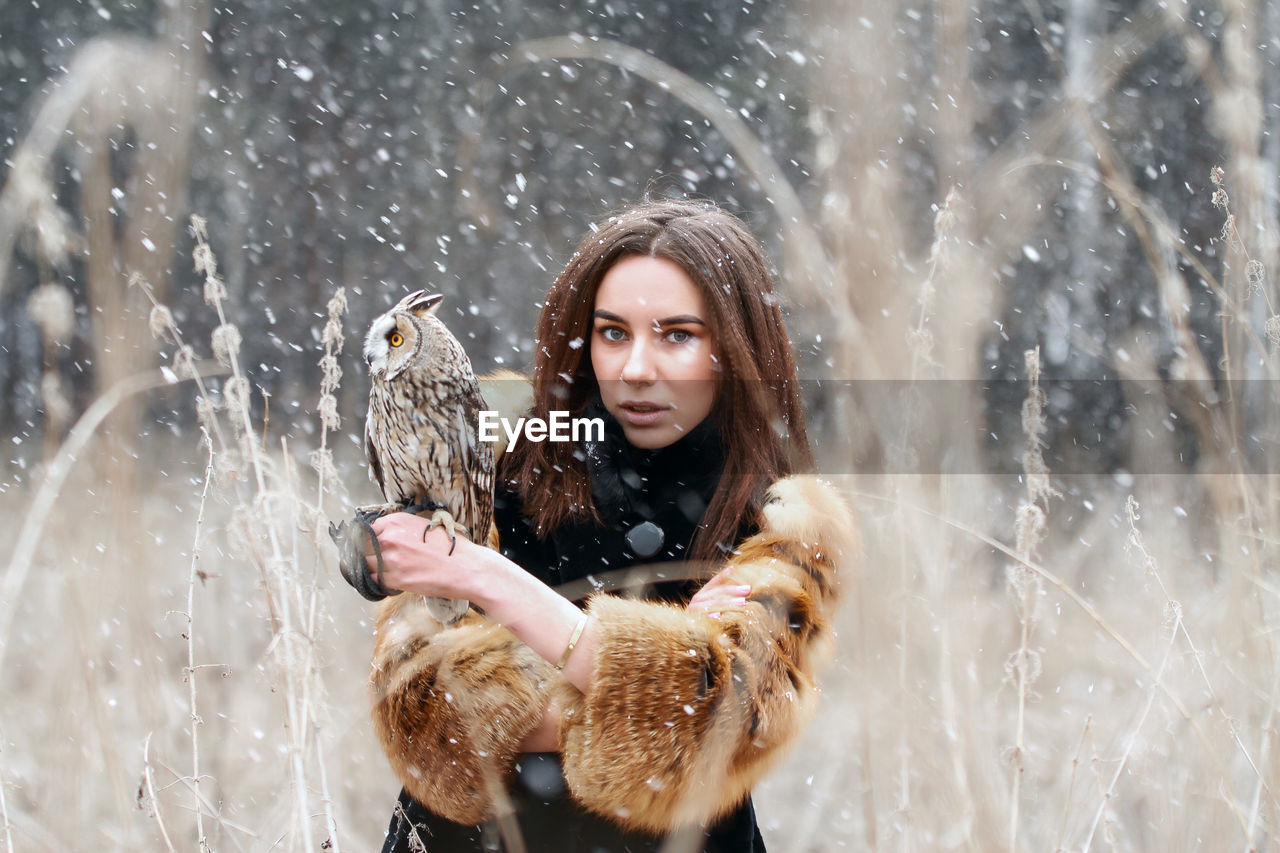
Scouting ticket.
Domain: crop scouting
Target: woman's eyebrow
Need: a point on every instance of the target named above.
(677, 320)
(682, 320)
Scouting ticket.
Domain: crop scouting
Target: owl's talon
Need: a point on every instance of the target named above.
(453, 540)
(442, 518)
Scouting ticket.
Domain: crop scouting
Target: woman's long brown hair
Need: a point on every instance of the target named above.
(758, 409)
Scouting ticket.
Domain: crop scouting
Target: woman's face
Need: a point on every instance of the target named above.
(652, 350)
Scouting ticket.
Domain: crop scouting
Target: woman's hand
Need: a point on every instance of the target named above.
(417, 560)
(719, 594)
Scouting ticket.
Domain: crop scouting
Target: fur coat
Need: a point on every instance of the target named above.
(684, 713)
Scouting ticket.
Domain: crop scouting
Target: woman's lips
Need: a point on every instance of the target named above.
(640, 413)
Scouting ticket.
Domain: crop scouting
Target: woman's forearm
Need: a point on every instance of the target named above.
(544, 620)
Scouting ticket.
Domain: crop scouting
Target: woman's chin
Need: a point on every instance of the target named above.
(653, 437)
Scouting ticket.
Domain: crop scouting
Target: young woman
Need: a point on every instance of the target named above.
(616, 723)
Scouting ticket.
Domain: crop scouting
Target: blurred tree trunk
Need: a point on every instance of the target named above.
(133, 231)
(924, 300)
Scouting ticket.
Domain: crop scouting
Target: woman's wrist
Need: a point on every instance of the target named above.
(544, 620)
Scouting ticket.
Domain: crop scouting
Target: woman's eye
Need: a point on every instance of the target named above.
(612, 333)
(396, 339)
(679, 336)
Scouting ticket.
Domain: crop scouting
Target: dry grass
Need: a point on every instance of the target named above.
(166, 674)
(912, 750)
(198, 674)
(1149, 724)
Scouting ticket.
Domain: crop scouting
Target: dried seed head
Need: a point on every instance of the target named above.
(1028, 528)
(1024, 663)
(184, 362)
(161, 321)
(1272, 328)
(1255, 272)
(227, 466)
(1033, 419)
(1216, 174)
(332, 336)
(322, 462)
(235, 397)
(338, 304)
(1219, 199)
(1037, 473)
(226, 344)
(328, 411)
(206, 264)
(54, 311)
(1031, 362)
(215, 291)
(1131, 508)
(1229, 227)
(1134, 540)
(1033, 427)
(331, 374)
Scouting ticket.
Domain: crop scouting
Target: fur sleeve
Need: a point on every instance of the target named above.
(451, 706)
(685, 713)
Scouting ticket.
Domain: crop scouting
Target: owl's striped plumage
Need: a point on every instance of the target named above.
(421, 430)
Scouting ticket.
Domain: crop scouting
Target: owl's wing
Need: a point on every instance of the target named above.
(477, 462)
(374, 465)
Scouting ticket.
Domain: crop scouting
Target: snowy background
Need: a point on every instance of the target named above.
(1062, 632)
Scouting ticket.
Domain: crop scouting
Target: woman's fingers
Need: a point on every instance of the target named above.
(413, 551)
(717, 607)
(719, 594)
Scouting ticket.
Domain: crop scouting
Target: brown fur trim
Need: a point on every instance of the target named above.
(685, 713)
(451, 706)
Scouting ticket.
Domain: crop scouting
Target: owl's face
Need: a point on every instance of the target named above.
(407, 334)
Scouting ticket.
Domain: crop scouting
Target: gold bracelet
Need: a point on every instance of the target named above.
(573, 641)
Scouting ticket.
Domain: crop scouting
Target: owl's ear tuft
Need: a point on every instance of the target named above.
(425, 304)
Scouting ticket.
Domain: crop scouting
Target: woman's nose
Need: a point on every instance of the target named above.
(639, 366)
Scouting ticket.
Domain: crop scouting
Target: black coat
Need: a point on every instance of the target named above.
(651, 503)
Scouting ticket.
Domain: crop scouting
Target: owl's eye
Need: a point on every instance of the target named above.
(396, 339)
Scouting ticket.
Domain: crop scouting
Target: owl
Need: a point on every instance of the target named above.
(421, 430)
